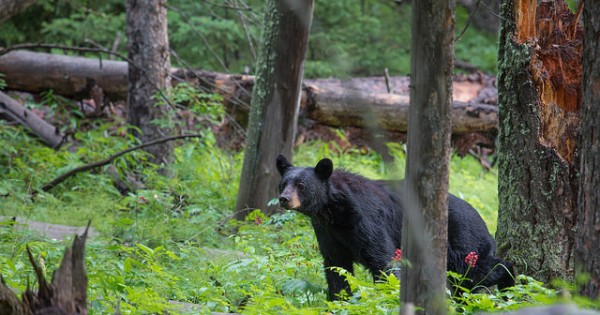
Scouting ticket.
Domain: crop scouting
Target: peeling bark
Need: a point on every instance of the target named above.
(539, 48)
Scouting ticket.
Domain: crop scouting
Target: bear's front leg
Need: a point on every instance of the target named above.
(337, 283)
(335, 255)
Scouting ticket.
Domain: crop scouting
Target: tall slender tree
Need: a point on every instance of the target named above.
(588, 215)
(148, 46)
(425, 232)
(275, 101)
(539, 101)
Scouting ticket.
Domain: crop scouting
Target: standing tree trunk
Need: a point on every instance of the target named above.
(539, 100)
(275, 101)
(148, 47)
(425, 233)
(588, 216)
(9, 8)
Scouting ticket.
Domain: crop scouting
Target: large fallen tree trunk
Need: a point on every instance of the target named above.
(65, 75)
(340, 107)
(334, 103)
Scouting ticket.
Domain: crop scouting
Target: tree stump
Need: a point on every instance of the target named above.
(65, 295)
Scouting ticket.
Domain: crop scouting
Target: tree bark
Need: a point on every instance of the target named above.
(16, 112)
(425, 233)
(8, 8)
(275, 105)
(539, 100)
(149, 75)
(330, 102)
(588, 215)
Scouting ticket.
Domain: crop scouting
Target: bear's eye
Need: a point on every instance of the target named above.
(300, 186)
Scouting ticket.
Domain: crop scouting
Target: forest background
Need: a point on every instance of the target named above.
(348, 38)
(158, 244)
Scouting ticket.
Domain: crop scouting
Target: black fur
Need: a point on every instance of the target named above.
(358, 220)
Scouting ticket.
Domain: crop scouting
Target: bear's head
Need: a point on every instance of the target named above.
(304, 189)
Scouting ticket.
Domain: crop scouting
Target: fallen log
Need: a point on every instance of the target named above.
(339, 108)
(68, 76)
(324, 100)
(17, 112)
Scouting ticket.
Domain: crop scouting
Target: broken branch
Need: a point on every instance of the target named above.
(108, 160)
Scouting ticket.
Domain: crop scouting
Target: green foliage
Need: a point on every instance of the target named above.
(174, 240)
(2, 81)
(469, 181)
(527, 292)
(380, 297)
(475, 47)
(348, 38)
(71, 22)
(359, 38)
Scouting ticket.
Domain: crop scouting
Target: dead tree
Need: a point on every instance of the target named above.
(539, 87)
(66, 294)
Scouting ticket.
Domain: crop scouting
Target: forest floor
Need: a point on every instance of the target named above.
(62, 232)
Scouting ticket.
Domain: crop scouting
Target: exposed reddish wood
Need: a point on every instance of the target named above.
(556, 37)
(525, 19)
(556, 70)
(538, 129)
(559, 50)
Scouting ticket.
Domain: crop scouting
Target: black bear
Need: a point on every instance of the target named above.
(358, 220)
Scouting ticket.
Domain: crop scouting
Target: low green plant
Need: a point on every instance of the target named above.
(174, 241)
(2, 81)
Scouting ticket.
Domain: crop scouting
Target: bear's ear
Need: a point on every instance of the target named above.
(324, 169)
(282, 164)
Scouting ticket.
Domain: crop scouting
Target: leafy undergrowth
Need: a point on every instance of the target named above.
(175, 241)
